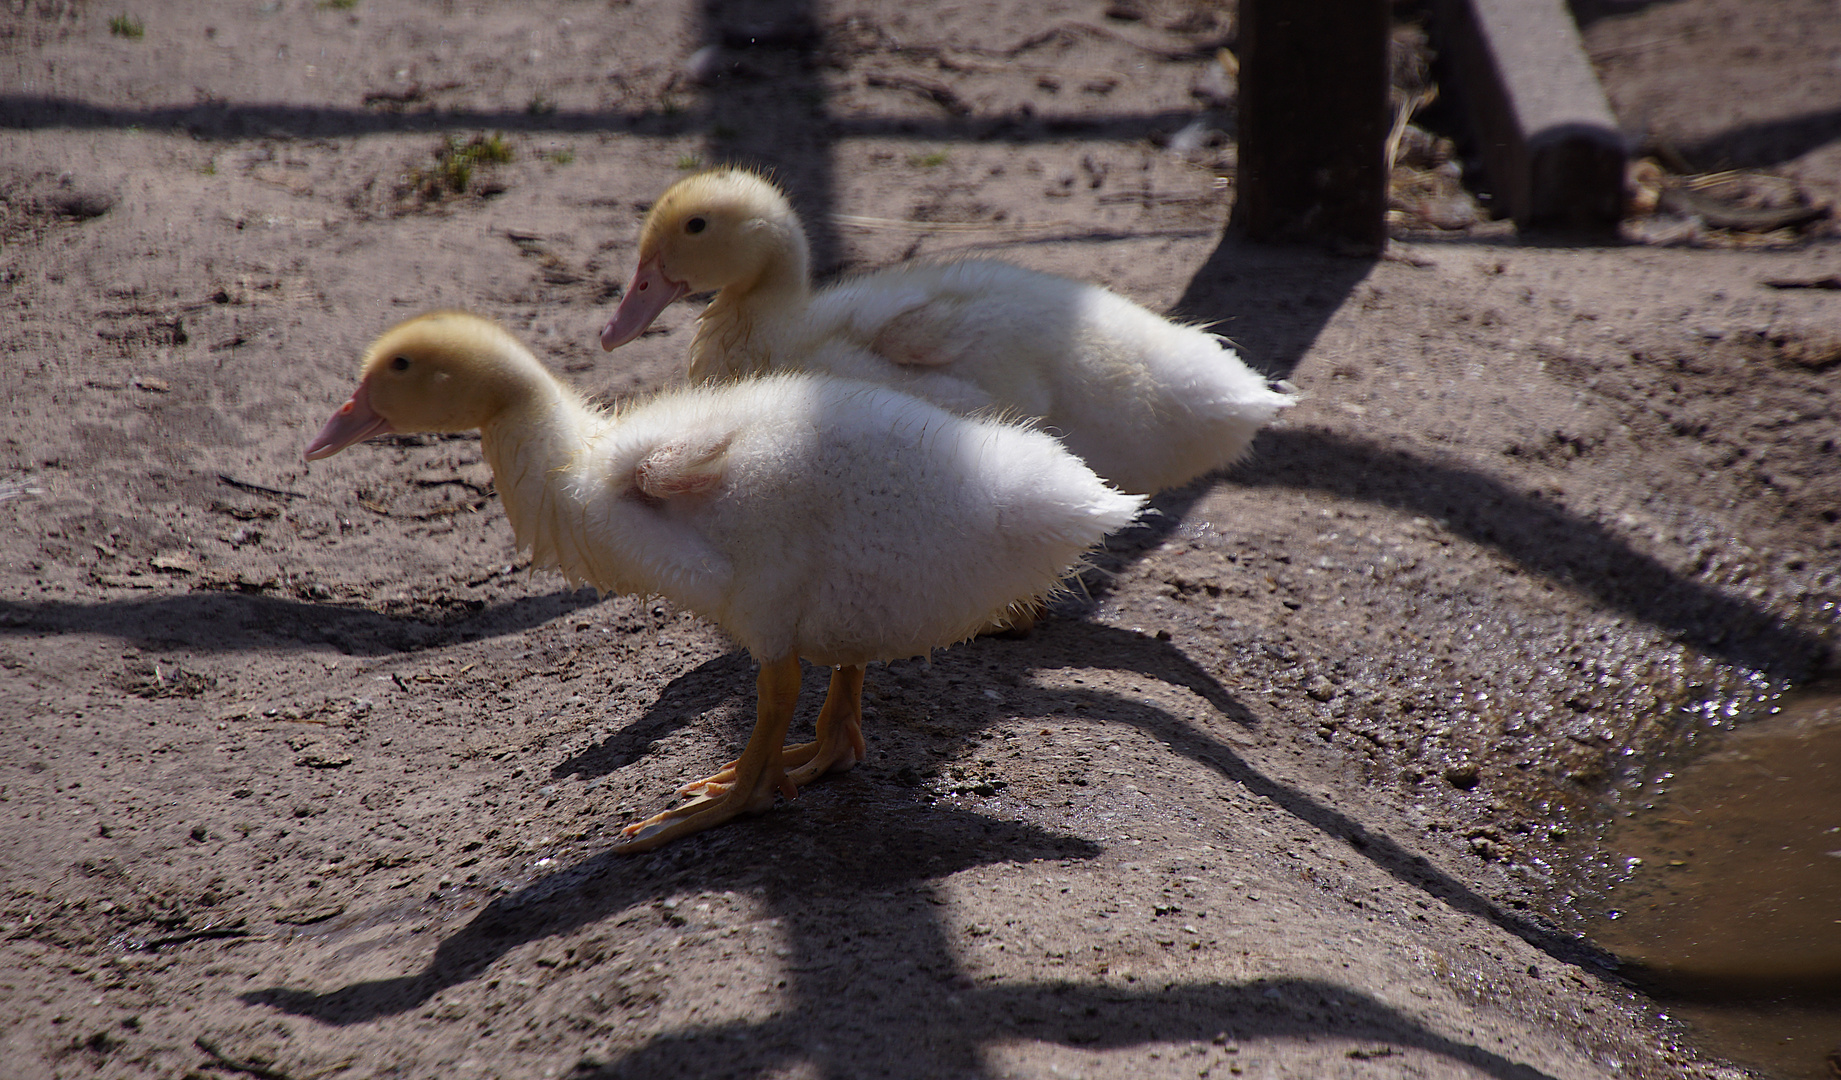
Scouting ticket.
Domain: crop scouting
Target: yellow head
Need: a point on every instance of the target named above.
(722, 229)
(444, 371)
(719, 228)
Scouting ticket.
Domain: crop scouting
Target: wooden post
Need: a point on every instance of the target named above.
(1313, 122)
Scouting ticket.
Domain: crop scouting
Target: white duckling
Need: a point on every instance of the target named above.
(807, 516)
(1146, 402)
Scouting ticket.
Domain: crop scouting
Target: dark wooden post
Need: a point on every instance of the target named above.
(1313, 122)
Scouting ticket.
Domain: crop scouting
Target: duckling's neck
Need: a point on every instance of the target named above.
(749, 326)
(529, 444)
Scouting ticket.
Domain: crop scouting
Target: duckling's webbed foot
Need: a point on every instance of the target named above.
(753, 779)
(839, 746)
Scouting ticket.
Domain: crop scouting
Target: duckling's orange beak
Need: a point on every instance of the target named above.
(354, 421)
(649, 294)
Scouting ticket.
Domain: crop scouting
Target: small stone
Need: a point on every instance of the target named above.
(323, 756)
(175, 562)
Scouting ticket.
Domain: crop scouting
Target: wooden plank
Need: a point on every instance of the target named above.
(1550, 145)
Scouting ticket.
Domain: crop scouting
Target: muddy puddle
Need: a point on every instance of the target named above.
(1728, 909)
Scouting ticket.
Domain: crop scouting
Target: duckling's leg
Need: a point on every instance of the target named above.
(756, 776)
(839, 746)
(840, 742)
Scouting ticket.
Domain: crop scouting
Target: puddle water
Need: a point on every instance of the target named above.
(1732, 917)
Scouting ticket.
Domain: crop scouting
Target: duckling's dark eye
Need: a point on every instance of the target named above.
(401, 363)
(696, 225)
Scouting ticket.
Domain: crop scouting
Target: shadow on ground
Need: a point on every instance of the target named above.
(864, 928)
(872, 986)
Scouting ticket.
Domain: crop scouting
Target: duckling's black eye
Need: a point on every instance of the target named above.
(401, 363)
(696, 225)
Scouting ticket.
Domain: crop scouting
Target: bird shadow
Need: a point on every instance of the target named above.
(1060, 645)
(726, 681)
(913, 1011)
(811, 873)
(935, 1030)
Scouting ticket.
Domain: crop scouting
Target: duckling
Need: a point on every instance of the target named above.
(807, 516)
(1146, 402)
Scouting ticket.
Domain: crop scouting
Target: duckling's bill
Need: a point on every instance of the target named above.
(650, 293)
(355, 421)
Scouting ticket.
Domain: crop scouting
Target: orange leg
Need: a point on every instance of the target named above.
(840, 731)
(751, 781)
(838, 749)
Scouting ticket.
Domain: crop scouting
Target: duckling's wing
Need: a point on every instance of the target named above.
(938, 314)
(643, 491)
(899, 316)
(999, 333)
(688, 466)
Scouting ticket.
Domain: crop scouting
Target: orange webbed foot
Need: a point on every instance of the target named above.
(748, 785)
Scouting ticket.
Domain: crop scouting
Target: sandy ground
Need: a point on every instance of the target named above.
(304, 776)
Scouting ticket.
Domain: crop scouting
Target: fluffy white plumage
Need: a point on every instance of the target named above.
(808, 516)
(1146, 402)
(841, 521)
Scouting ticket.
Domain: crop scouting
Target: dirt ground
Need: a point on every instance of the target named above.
(303, 775)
